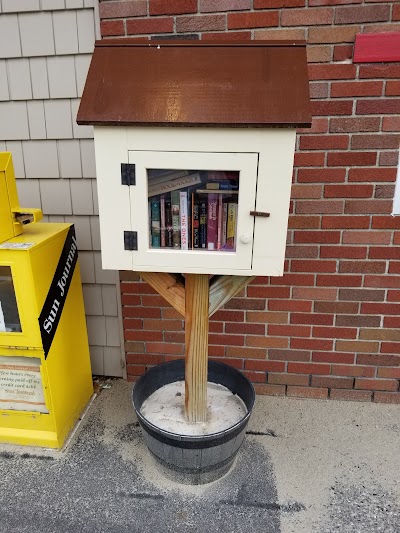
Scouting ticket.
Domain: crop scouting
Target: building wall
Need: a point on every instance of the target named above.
(330, 327)
(45, 51)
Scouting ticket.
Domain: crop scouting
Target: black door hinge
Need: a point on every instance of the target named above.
(130, 240)
(128, 174)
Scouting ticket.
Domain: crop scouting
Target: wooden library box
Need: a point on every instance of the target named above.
(194, 150)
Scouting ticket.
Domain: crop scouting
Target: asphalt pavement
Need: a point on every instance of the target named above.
(306, 466)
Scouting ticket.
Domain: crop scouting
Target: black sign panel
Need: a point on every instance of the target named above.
(53, 306)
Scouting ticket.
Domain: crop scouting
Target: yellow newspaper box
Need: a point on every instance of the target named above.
(45, 374)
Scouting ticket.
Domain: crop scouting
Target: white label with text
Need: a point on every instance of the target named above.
(21, 387)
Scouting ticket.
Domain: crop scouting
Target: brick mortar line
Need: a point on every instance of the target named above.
(348, 150)
(363, 25)
(355, 99)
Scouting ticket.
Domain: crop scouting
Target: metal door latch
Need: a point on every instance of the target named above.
(259, 214)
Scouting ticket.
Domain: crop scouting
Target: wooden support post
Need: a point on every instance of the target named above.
(196, 350)
(196, 299)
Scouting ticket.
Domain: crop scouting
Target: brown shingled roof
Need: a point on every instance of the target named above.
(197, 83)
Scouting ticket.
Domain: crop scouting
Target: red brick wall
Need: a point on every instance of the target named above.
(331, 326)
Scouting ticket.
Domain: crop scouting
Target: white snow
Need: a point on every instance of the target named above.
(165, 409)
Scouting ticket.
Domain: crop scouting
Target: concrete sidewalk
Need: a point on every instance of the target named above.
(306, 466)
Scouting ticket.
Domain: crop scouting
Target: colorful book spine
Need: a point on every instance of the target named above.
(224, 222)
(168, 223)
(215, 175)
(212, 222)
(189, 219)
(220, 221)
(174, 184)
(155, 224)
(231, 225)
(222, 186)
(195, 223)
(162, 220)
(203, 223)
(175, 208)
(149, 223)
(184, 220)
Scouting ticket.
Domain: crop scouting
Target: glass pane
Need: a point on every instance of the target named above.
(193, 209)
(9, 317)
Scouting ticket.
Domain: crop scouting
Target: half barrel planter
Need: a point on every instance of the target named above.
(195, 459)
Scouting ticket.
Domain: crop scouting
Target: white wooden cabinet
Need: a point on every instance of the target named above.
(222, 115)
(252, 167)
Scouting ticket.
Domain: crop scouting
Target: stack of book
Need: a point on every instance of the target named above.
(191, 210)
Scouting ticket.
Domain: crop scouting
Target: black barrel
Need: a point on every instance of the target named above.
(193, 459)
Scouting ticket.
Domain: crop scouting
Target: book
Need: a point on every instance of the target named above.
(216, 175)
(168, 222)
(174, 184)
(149, 223)
(189, 218)
(224, 222)
(183, 212)
(175, 208)
(220, 220)
(195, 223)
(222, 185)
(162, 221)
(157, 176)
(155, 224)
(212, 221)
(231, 225)
(203, 222)
(217, 191)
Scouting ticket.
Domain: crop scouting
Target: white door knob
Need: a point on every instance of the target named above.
(245, 239)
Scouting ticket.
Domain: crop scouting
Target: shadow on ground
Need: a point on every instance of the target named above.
(111, 485)
(305, 467)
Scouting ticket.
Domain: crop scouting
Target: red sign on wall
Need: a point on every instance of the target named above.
(377, 47)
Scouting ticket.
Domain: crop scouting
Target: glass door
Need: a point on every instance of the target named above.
(18, 311)
(9, 316)
(192, 209)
